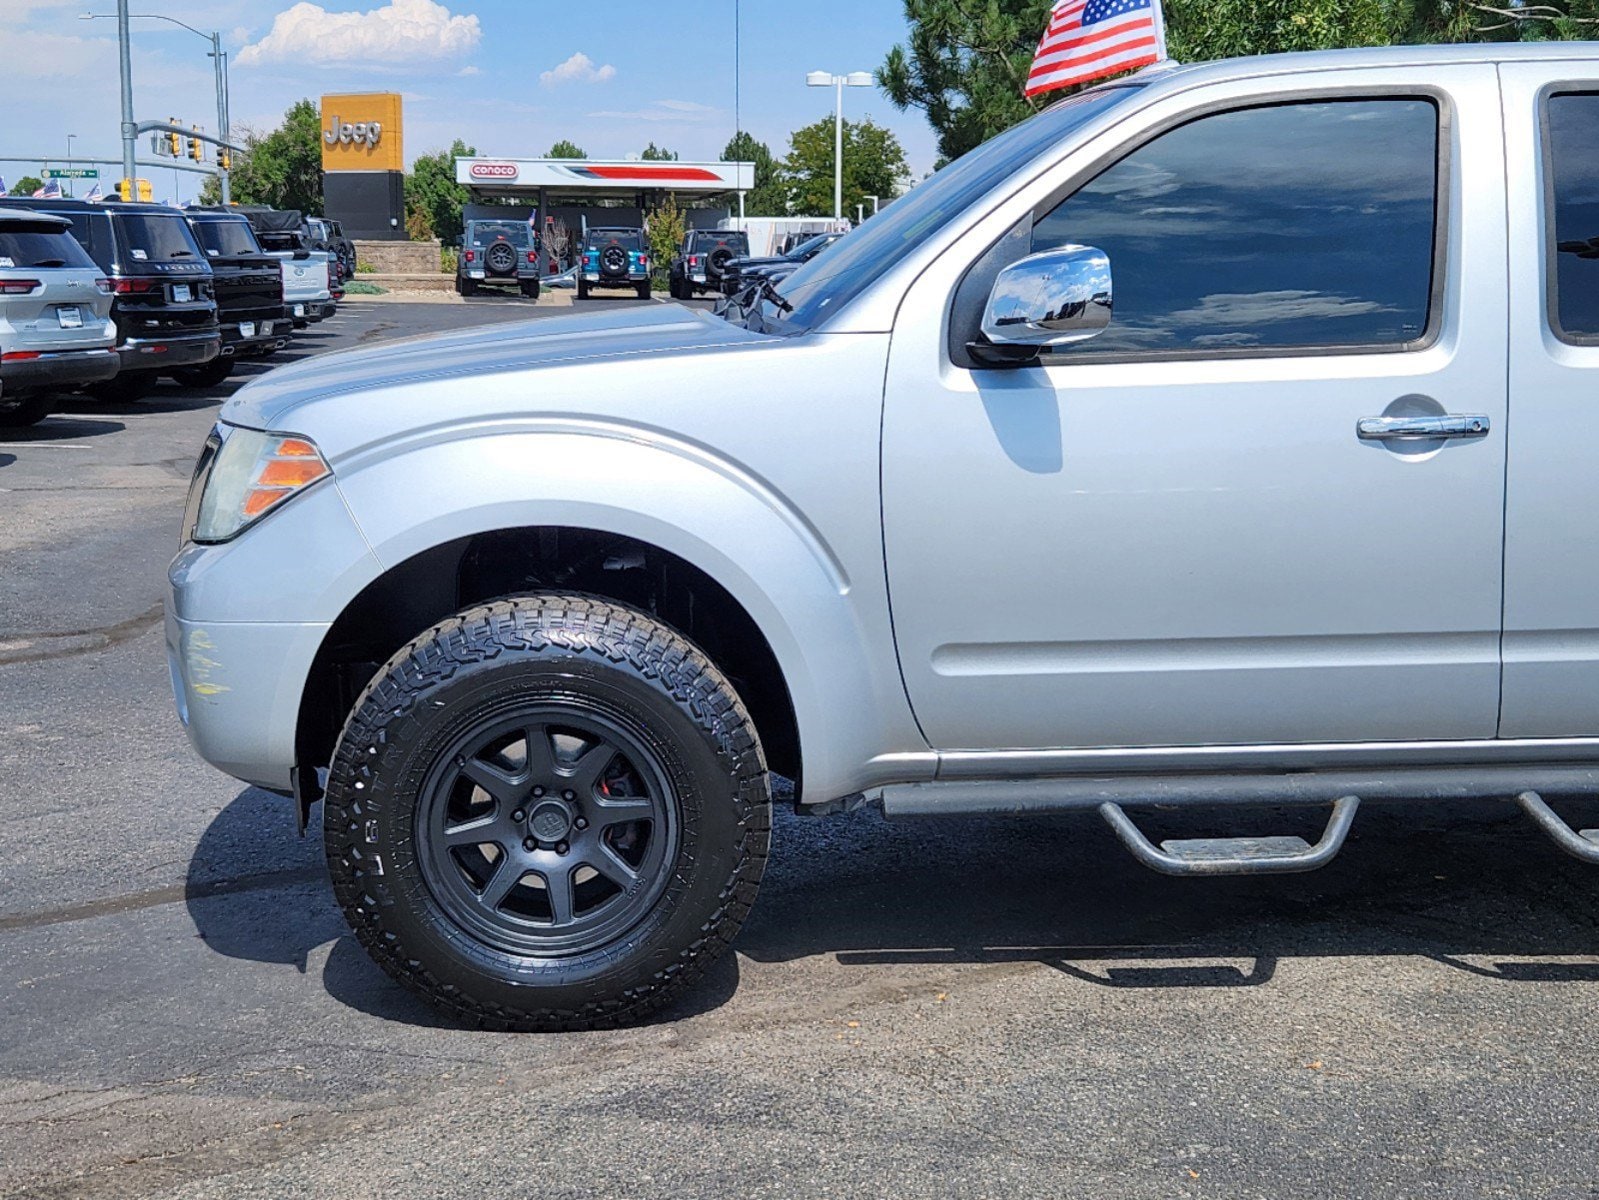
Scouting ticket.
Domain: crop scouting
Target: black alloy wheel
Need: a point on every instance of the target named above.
(546, 832)
(719, 259)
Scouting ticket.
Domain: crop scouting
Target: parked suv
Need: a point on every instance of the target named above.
(702, 264)
(741, 273)
(56, 332)
(1218, 436)
(498, 252)
(249, 295)
(165, 315)
(615, 258)
(329, 235)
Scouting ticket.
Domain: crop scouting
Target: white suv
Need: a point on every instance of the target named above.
(56, 332)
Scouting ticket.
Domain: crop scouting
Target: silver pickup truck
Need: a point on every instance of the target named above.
(1220, 436)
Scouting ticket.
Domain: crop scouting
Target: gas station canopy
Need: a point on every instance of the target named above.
(588, 180)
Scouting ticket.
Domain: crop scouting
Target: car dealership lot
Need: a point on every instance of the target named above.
(966, 1007)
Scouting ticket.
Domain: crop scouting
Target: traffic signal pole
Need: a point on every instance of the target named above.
(219, 60)
(130, 131)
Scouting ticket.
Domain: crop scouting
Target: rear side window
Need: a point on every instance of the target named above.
(1574, 191)
(150, 238)
(1291, 227)
(54, 247)
(226, 239)
(625, 238)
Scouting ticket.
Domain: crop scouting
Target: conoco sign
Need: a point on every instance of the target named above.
(494, 171)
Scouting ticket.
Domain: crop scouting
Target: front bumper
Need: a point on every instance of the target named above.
(58, 370)
(245, 619)
(164, 353)
(237, 687)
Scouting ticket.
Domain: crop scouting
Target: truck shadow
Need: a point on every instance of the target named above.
(1471, 887)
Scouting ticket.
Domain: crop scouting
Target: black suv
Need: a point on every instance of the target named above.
(743, 272)
(249, 294)
(498, 252)
(161, 279)
(702, 263)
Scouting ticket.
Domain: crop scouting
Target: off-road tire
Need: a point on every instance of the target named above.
(23, 410)
(582, 289)
(467, 287)
(644, 291)
(124, 388)
(205, 375)
(530, 289)
(543, 649)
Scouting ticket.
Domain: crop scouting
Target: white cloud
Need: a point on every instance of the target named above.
(681, 111)
(469, 70)
(402, 31)
(579, 68)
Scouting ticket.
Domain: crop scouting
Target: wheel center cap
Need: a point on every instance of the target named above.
(550, 821)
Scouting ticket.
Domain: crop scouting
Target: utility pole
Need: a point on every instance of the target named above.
(129, 131)
(221, 62)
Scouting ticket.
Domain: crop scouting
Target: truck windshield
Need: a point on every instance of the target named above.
(151, 238)
(226, 239)
(829, 281)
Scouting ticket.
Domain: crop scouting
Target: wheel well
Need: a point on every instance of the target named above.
(432, 585)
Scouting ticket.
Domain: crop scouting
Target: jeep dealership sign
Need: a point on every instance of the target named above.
(361, 132)
(568, 175)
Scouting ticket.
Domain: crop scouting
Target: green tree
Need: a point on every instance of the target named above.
(874, 164)
(1197, 30)
(666, 224)
(767, 198)
(27, 185)
(282, 168)
(1463, 21)
(432, 193)
(566, 149)
(964, 65)
(654, 153)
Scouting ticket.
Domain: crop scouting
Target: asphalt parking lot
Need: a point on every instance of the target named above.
(960, 1008)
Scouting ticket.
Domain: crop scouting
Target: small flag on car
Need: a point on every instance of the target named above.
(94, 194)
(50, 191)
(4, 191)
(1089, 39)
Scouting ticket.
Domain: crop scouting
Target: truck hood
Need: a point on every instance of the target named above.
(281, 398)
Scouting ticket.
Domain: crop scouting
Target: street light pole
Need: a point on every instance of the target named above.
(218, 57)
(70, 136)
(839, 83)
(129, 130)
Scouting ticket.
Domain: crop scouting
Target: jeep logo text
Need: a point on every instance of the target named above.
(362, 133)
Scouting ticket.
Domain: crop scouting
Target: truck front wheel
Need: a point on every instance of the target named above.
(548, 812)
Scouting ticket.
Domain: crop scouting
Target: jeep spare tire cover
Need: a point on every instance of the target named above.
(720, 257)
(501, 258)
(613, 260)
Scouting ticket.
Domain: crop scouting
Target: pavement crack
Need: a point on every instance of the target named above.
(265, 881)
(47, 647)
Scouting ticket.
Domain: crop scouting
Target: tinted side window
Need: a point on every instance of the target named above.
(1298, 225)
(1574, 170)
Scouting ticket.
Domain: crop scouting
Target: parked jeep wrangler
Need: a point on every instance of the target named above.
(702, 264)
(1218, 436)
(498, 252)
(615, 258)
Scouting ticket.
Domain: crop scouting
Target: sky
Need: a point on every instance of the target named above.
(510, 77)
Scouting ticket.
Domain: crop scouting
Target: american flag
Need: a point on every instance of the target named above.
(50, 191)
(1089, 39)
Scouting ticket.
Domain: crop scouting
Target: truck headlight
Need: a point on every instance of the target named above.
(251, 474)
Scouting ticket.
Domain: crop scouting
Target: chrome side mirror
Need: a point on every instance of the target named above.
(1050, 299)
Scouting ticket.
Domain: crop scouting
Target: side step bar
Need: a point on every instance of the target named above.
(1235, 856)
(1111, 795)
(1583, 844)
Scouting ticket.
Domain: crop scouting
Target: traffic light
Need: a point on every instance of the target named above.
(146, 192)
(224, 158)
(127, 191)
(174, 142)
(196, 146)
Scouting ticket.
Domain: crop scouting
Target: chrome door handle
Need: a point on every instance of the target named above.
(1382, 429)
